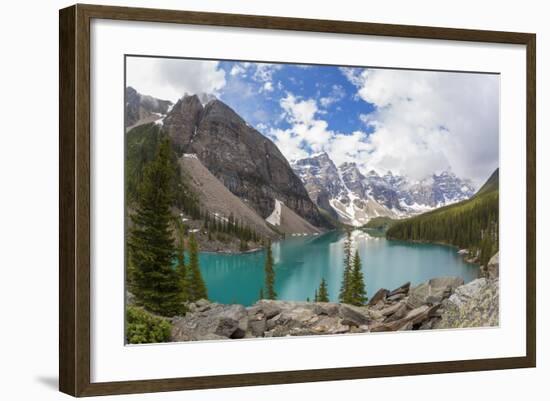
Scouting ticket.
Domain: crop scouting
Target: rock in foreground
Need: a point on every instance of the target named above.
(438, 303)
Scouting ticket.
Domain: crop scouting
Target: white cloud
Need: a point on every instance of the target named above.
(264, 72)
(268, 87)
(310, 134)
(289, 143)
(431, 121)
(170, 79)
(336, 94)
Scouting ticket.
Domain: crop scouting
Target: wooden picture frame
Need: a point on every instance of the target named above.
(74, 199)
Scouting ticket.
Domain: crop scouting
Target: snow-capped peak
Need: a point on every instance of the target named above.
(355, 198)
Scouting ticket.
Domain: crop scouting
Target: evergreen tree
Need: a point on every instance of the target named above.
(183, 274)
(344, 295)
(358, 293)
(269, 273)
(197, 287)
(315, 296)
(261, 296)
(322, 292)
(154, 281)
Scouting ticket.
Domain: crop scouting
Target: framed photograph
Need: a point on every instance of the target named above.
(249, 200)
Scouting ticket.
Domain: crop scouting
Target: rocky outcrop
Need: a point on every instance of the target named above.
(141, 109)
(491, 270)
(218, 200)
(438, 303)
(245, 161)
(475, 304)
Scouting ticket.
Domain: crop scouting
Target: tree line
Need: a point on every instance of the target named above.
(156, 283)
(471, 224)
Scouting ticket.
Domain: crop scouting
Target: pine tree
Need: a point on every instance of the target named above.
(261, 296)
(197, 287)
(154, 281)
(183, 274)
(322, 292)
(344, 295)
(358, 293)
(269, 273)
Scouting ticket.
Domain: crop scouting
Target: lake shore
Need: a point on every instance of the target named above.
(439, 303)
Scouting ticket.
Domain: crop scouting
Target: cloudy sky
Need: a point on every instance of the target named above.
(411, 122)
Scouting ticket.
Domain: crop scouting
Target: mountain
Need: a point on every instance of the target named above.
(286, 221)
(217, 199)
(492, 184)
(245, 161)
(471, 224)
(141, 109)
(355, 198)
(321, 180)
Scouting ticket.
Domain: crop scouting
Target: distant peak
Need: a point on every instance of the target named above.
(320, 155)
(373, 173)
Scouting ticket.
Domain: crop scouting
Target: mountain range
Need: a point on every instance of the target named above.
(354, 197)
(251, 167)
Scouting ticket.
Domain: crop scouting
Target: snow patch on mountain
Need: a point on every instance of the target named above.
(275, 217)
(354, 198)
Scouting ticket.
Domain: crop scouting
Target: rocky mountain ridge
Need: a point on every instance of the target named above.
(141, 109)
(354, 197)
(249, 164)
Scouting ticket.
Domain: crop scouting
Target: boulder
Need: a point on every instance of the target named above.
(493, 267)
(404, 289)
(326, 308)
(433, 291)
(396, 297)
(225, 321)
(267, 308)
(257, 327)
(466, 292)
(390, 310)
(474, 305)
(380, 295)
(398, 313)
(353, 315)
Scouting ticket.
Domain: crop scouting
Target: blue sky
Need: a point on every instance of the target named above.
(339, 107)
(410, 122)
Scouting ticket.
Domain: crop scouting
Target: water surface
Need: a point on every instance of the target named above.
(301, 262)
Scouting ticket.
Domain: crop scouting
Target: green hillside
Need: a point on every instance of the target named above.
(141, 146)
(471, 224)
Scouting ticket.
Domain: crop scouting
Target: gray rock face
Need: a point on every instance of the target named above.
(491, 271)
(321, 180)
(396, 195)
(473, 305)
(140, 107)
(211, 321)
(246, 162)
(433, 291)
(438, 303)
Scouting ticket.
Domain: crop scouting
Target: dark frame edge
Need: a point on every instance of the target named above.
(74, 201)
(531, 200)
(67, 132)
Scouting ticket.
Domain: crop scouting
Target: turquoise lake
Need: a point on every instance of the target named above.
(301, 262)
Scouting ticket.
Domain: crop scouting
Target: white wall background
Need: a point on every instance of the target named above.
(28, 198)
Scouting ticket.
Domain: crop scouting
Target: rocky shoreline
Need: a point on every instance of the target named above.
(439, 303)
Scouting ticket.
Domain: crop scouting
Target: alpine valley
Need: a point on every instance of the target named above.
(302, 196)
(226, 238)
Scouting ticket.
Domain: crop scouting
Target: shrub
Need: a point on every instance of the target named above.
(143, 327)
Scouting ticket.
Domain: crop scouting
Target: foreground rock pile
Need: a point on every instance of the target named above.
(436, 304)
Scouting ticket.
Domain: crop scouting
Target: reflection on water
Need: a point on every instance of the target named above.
(301, 262)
